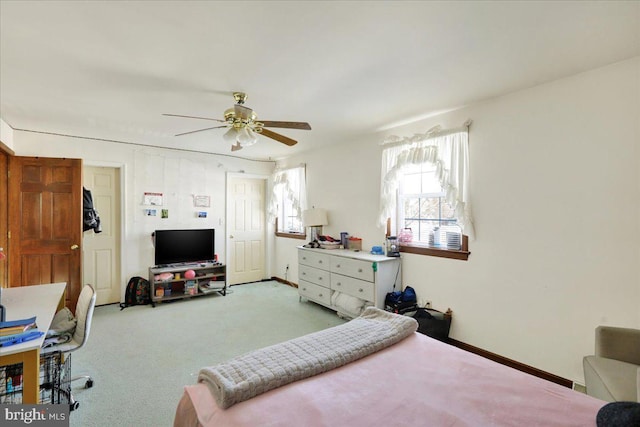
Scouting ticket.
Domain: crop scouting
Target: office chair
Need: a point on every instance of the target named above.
(84, 315)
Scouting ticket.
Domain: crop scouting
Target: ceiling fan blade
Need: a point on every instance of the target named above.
(280, 138)
(242, 111)
(193, 117)
(289, 125)
(200, 130)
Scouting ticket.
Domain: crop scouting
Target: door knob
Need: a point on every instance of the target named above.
(74, 247)
(231, 236)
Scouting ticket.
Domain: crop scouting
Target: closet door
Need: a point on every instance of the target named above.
(45, 223)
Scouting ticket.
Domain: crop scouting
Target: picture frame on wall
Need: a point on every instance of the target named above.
(152, 199)
(201, 201)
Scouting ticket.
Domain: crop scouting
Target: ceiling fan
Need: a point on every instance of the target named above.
(244, 126)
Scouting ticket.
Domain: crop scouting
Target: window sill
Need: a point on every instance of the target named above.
(462, 254)
(291, 235)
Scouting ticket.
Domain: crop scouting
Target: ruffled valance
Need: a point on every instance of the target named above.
(292, 180)
(448, 151)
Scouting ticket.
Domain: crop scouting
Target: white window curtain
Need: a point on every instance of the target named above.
(293, 181)
(448, 151)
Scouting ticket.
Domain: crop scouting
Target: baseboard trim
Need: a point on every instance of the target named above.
(286, 282)
(488, 355)
(512, 363)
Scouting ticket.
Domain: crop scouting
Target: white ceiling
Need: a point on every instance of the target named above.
(108, 70)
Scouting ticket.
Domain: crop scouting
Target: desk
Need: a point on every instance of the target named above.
(24, 302)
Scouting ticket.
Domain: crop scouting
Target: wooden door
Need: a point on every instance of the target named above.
(101, 251)
(4, 221)
(246, 230)
(45, 223)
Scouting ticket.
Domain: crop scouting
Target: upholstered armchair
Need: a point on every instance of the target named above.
(613, 372)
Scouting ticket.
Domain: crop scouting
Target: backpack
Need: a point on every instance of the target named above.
(401, 302)
(138, 292)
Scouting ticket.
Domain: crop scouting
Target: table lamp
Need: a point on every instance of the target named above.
(314, 218)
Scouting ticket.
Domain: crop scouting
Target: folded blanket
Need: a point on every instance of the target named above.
(262, 370)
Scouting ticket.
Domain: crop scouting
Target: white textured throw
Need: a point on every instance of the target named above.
(262, 370)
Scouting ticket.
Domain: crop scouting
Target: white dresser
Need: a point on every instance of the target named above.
(323, 272)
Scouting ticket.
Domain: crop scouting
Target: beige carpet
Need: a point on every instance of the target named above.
(140, 358)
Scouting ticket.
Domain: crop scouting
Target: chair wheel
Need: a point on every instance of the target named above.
(73, 406)
(88, 384)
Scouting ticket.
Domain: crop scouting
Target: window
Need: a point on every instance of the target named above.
(287, 202)
(422, 206)
(425, 188)
(289, 219)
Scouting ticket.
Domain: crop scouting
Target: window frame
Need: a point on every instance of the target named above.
(301, 235)
(422, 248)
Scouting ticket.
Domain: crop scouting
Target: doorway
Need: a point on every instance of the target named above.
(101, 255)
(246, 231)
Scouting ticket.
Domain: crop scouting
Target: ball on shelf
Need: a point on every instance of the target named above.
(189, 274)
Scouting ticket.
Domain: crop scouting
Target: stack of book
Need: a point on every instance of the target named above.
(18, 331)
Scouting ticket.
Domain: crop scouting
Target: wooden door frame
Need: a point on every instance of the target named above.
(5, 153)
(268, 237)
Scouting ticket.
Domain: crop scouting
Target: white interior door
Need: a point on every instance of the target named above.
(246, 230)
(101, 255)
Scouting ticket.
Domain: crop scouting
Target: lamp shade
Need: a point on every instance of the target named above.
(230, 135)
(314, 217)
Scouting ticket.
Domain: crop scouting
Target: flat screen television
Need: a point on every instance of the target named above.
(184, 246)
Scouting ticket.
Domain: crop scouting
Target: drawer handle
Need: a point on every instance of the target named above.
(304, 289)
(320, 295)
(304, 258)
(304, 274)
(359, 270)
(337, 265)
(320, 278)
(339, 284)
(320, 262)
(361, 290)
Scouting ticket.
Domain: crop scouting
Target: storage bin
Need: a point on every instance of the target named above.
(355, 243)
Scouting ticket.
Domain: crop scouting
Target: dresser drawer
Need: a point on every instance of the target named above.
(315, 292)
(352, 267)
(354, 287)
(314, 259)
(314, 275)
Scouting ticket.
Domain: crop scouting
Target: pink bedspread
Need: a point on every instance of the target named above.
(417, 382)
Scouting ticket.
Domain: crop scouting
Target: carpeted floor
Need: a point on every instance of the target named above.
(140, 358)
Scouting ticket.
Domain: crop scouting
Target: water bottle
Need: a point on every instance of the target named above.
(344, 239)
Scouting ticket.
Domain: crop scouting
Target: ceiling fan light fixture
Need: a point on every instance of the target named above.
(231, 135)
(243, 126)
(247, 137)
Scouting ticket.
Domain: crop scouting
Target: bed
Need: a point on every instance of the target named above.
(415, 381)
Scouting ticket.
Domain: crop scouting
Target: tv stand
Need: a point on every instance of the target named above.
(168, 282)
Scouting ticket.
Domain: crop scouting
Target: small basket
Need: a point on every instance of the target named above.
(330, 245)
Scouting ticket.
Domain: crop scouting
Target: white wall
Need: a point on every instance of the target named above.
(556, 197)
(177, 174)
(6, 134)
